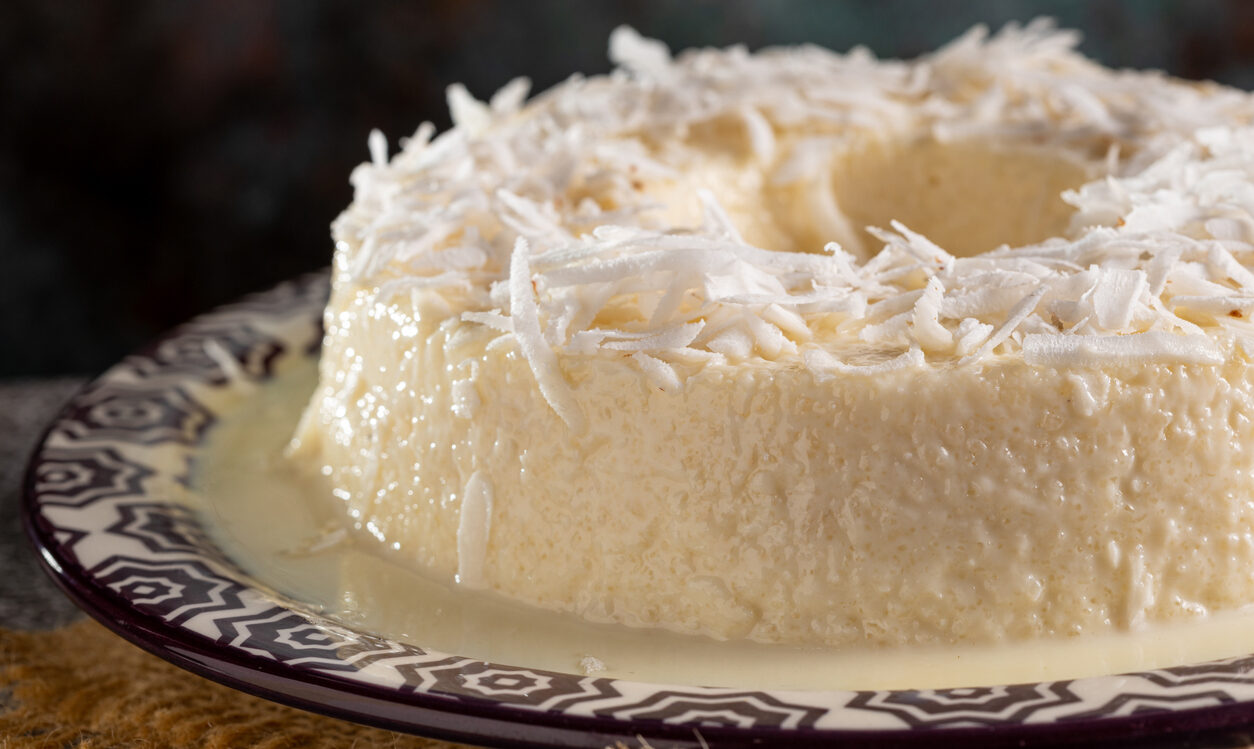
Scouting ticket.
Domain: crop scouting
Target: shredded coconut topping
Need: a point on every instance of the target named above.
(533, 218)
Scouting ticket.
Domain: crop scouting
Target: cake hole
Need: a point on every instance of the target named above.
(967, 197)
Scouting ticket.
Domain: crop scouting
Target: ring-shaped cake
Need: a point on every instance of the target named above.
(811, 348)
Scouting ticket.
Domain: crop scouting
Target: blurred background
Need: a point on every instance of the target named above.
(160, 157)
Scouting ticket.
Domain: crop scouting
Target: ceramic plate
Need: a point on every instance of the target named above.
(105, 505)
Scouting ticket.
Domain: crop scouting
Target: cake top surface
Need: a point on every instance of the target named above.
(624, 213)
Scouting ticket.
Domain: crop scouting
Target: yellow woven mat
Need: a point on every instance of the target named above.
(84, 687)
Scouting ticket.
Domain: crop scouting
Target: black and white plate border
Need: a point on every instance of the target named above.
(106, 506)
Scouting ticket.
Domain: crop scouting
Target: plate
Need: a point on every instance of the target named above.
(105, 505)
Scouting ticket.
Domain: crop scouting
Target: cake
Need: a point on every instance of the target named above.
(806, 347)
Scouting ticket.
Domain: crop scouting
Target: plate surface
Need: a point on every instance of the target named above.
(106, 506)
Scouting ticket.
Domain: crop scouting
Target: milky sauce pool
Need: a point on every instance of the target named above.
(284, 528)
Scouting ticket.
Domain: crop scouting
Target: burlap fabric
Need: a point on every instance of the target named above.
(82, 686)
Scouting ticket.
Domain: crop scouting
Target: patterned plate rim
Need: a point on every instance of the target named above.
(143, 565)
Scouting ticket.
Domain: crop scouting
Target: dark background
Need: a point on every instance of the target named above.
(160, 157)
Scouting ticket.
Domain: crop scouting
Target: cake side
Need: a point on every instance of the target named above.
(923, 505)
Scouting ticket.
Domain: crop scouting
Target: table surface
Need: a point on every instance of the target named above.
(28, 597)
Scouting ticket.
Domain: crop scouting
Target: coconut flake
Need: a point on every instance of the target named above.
(825, 366)
(717, 218)
(645, 57)
(378, 144)
(491, 319)
(661, 374)
(929, 332)
(1225, 267)
(789, 322)
(1017, 315)
(470, 115)
(971, 335)
(1080, 351)
(678, 336)
(590, 664)
(924, 249)
(230, 367)
(769, 341)
(1115, 296)
(474, 526)
(734, 343)
(540, 357)
(761, 135)
(510, 97)
(1217, 306)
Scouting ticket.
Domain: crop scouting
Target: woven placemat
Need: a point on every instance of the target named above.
(81, 686)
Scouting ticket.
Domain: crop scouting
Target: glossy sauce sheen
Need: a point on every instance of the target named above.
(283, 527)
